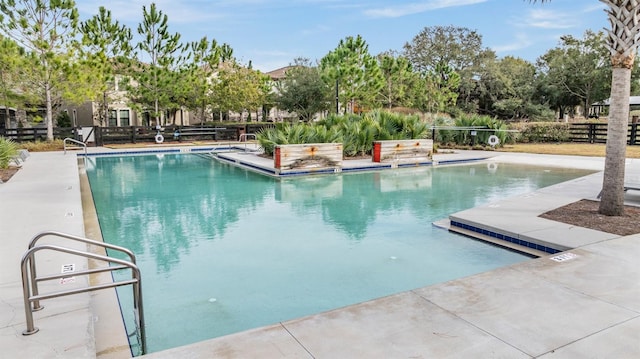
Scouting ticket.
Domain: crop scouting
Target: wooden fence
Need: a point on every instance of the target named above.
(100, 136)
(597, 133)
(578, 132)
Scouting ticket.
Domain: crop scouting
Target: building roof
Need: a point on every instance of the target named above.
(278, 74)
(633, 100)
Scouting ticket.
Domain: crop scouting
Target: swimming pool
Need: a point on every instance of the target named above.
(223, 249)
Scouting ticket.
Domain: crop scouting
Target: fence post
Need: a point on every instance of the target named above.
(134, 132)
(592, 133)
(98, 134)
(634, 133)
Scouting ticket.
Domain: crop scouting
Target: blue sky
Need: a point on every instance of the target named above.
(271, 33)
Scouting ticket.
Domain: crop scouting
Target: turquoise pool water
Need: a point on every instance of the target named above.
(223, 250)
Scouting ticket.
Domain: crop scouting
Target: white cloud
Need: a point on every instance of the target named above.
(545, 19)
(521, 41)
(417, 7)
(595, 7)
(318, 29)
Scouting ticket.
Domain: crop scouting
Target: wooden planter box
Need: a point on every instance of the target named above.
(403, 151)
(310, 157)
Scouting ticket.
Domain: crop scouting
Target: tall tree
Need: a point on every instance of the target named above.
(435, 90)
(202, 64)
(623, 36)
(516, 100)
(580, 68)
(506, 88)
(226, 53)
(153, 81)
(303, 91)
(624, 17)
(447, 47)
(472, 86)
(107, 49)
(444, 82)
(398, 78)
(549, 89)
(354, 71)
(237, 88)
(456, 47)
(12, 63)
(46, 29)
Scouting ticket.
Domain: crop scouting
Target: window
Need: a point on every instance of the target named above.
(113, 118)
(146, 119)
(124, 118)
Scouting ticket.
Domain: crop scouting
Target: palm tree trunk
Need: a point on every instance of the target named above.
(49, 112)
(612, 201)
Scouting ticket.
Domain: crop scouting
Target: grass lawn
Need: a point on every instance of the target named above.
(578, 149)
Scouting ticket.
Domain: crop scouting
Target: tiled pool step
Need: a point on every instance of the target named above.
(503, 238)
(498, 239)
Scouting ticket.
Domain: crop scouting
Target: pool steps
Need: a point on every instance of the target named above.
(477, 233)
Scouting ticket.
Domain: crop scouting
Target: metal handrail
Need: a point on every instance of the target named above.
(470, 128)
(37, 237)
(77, 143)
(30, 280)
(41, 235)
(245, 135)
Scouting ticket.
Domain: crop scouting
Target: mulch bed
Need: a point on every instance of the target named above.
(7, 173)
(584, 213)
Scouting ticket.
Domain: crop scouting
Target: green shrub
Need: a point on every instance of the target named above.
(357, 133)
(297, 133)
(42, 146)
(542, 131)
(267, 138)
(539, 113)
(358, 137)
(63, 120)
(8, 149)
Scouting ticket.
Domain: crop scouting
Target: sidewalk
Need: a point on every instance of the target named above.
(42, 196)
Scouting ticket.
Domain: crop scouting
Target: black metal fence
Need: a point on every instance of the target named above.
(100, 136)
(578, 132)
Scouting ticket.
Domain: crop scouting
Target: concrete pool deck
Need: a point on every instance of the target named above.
(581, 303)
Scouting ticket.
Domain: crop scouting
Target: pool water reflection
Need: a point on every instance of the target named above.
(223, 249)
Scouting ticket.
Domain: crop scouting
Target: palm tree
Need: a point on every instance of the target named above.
(623, 44)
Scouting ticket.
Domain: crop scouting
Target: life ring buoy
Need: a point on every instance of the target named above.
(493, 140)
(159, 138)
